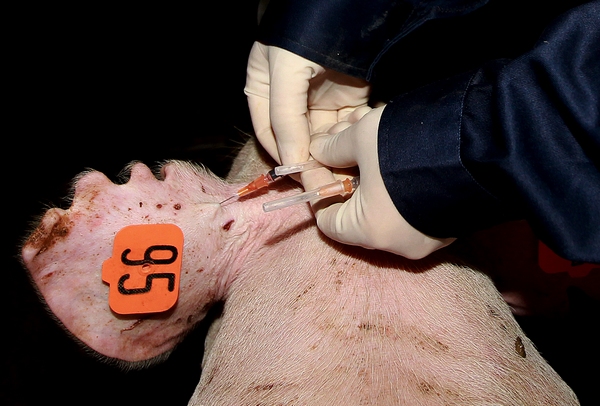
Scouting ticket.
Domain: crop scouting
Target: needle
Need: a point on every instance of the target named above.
(266, 179)
(228, 199)
(262, 181)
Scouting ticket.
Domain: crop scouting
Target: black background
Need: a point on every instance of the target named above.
(101, 87)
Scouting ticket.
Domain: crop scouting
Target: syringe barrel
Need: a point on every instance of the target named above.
(338, 187)
(295, 168)
(335, 188)
(290, 200)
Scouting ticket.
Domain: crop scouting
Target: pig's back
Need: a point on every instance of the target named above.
(336, 329)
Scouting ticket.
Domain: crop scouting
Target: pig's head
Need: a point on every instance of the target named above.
(66, 252)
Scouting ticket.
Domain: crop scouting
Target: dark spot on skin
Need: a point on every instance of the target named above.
(43, 240)
(493, 312)
(305, 291)
(200, 270)
(365, 326)
(141, 204)
(429, 344)
(134, 325)
(177, 206)
(264, 387)
(519, 347)
(426, 388)
(203, 190)
(338, 279)
(159, 206)
(227, 225)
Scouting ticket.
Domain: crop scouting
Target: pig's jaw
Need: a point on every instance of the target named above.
(66, 252)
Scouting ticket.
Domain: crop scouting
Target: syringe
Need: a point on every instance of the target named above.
(339, 187)
(266, 179)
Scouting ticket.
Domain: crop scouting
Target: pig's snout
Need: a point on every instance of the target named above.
(54, 226)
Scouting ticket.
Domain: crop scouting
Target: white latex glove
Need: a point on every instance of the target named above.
(290, 97)
(368, 218)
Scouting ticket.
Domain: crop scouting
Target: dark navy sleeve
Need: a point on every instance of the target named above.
(350, 36)
(516, 139)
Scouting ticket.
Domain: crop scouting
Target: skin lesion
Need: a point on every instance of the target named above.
(44, 237)
(519, 347)
(227, 225)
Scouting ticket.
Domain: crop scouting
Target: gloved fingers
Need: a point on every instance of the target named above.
(257, 90)
(266, 138)
(338, 127)
(289, 77)
(259, 113)
(356, 114)
(257, 72)
(335, 91)
(315, 178)
(336, 150)
(333, 220)
(322, 120)
(375, 226)
(327, 121)
(356, 144)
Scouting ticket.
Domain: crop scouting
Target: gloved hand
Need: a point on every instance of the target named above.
(368, 218)
(290, 97)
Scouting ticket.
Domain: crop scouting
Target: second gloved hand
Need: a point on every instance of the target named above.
(290, 97)
(368, 218)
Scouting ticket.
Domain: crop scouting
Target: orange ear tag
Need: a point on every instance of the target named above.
(552, 263)
(145, 269)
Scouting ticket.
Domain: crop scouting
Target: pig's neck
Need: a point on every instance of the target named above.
(255, 237)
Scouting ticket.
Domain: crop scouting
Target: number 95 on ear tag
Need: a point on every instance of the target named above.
(145, 268)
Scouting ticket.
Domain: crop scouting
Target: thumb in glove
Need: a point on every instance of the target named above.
(368, 218)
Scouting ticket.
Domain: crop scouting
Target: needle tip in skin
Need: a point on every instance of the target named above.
(229, 198)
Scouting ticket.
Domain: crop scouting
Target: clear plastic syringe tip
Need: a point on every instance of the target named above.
(295, 168)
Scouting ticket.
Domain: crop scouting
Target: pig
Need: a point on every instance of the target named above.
(304, 320)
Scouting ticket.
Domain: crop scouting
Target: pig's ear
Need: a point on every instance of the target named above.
(65, 260)
(65, 257)
(199, 180)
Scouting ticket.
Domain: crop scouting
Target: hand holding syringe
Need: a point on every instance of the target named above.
(339, 187)
(266, 179)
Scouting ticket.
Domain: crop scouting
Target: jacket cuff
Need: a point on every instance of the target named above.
(419, 144)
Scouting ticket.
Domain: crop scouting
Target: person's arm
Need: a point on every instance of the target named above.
(311, 64)
(349, 36)
(515, 139)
